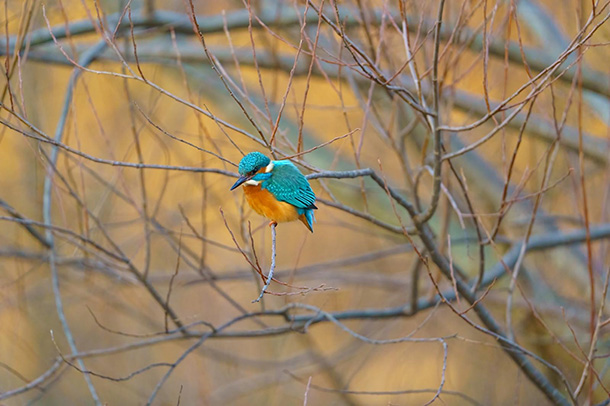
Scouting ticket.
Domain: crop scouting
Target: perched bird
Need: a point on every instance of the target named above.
(276, 189)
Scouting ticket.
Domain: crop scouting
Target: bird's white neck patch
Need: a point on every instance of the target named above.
(269, 167)
(252, 182)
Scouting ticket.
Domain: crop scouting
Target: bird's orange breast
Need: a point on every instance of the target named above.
(264, 203)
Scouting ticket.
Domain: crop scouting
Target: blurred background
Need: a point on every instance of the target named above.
(126, 270)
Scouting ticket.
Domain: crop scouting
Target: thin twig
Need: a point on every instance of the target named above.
(47, 198)
(272, 267)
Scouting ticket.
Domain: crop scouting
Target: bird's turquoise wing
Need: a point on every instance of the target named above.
(289, 185)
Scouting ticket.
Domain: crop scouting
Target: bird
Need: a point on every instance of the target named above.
(276, 190)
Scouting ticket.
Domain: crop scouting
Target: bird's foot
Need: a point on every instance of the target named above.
(272, 223)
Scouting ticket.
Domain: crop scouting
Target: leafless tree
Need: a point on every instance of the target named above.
(459, 151)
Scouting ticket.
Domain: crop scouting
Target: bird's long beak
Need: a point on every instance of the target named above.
(241, 180)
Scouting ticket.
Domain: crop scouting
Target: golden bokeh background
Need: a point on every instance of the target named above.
(166, 222)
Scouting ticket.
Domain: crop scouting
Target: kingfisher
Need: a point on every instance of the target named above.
(276, 190)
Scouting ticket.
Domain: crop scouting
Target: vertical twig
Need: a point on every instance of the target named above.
(585, 204)
(545, 178)
(415, 272)
(434, 121)
(171, 281)
(272, 268)
(47, 202)
(307, 391)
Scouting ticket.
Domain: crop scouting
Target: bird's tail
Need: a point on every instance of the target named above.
(308, 219)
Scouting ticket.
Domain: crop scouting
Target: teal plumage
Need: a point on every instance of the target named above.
(289, 185)
(282, 179)
(252, 163)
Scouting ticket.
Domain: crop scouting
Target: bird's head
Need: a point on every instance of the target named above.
(249, 168)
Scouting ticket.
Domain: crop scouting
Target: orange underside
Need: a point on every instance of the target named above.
(265, 204)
